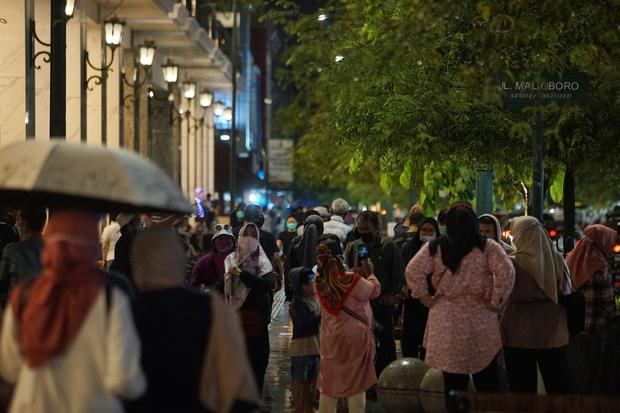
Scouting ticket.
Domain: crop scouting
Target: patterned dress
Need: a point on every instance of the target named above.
(463, 334)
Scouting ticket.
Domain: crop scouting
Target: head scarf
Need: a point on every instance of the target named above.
(589, 256)
(498, 231)
(249, 257)
(59, 300)
(333, 284)
(534, 252)
(306, 252)
(158, 259)
(462, 236)
(298, 276)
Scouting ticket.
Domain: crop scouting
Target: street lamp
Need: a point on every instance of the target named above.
(218, 108)
(206, 98)
(114, 29)
(228, 114)
(147, 53)
(70, 8)
(189, 90)
(170, 71)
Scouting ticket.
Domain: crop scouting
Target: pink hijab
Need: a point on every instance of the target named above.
(589, 256)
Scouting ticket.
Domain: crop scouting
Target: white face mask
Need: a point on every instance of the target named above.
(427, 238)
(248, 244)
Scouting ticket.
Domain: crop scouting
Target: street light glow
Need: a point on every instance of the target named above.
(69, 8)
(228, 114)
(224, 137)
(114, 29)
(151, 93)
(170, 71)
(147, 53)
(189, 90)
(339, 58)
(218, 108)
(206, 98)
(322, 17)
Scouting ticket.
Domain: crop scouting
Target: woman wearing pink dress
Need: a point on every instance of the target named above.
(472, 278)
(347, 342)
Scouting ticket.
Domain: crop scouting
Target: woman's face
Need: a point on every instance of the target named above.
(250, 231)
(427, 230)
(223, 244)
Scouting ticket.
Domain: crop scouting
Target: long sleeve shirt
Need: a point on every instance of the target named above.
(600, 300)
(388, 264)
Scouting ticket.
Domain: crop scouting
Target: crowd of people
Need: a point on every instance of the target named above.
(156, 313)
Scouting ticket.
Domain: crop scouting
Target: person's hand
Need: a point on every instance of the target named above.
(428, 300)
(101, 264)
(367, 269)
(235, 271)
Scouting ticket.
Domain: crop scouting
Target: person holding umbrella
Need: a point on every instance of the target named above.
(68, 341)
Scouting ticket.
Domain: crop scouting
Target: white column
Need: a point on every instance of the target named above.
(74, 82)
(42, 75)
(93, 97)
(12, 73)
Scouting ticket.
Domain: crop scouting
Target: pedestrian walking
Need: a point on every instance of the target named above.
(68, 340)
(336, 225)
(533, 324)
(248, 283)
(492, 229)
(415, 314)
(209, 270)
(389, 270)
(347, 343)
(130, 226)
(22, 260)
(109, 237)
(302, 252)
(286, 237)
(304, 350)
(472, 279)
(591, 274)
(193, 352)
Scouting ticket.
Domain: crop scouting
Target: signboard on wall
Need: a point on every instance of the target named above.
(280, 161)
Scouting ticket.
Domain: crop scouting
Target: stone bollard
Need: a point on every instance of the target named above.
(431, 396)
(399, 386)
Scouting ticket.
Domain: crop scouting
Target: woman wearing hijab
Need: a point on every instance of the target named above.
(248, 284)
(471, 277)
(347, 343)
(415, 314)
(591, 274)
(533, 324)
(68, 340)
(189, 340)
(209, 270)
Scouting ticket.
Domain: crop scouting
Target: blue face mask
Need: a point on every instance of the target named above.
(240, 215)
(291, 226)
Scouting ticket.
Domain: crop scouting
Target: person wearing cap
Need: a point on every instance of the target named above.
(336, 225)
(210, 268)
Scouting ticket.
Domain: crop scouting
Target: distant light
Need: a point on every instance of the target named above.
(616, 249)
(224, 137)
(253, 197)
(553, 233)
(171, 97)
(322, 17)
(151, 94)
(384, 212)
(261, 174)
(268, 101)
(552, 211)
(218, 108)
(26, 118)
(228, 114)
(227, 196)
(339, 58)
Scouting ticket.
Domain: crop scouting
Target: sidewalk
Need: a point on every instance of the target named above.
(277, 391)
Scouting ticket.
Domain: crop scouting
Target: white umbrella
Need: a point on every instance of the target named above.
(60, 174)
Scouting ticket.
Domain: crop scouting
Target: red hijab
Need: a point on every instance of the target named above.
(57, 302)
(333, 284)
(589, 256)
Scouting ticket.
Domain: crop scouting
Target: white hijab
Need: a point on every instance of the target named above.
(249, 257)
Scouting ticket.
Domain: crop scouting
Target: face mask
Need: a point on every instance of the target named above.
(443, 230)
(240, 215)
(248, 244)
(427, 238)
(367, 238)
(291, 227)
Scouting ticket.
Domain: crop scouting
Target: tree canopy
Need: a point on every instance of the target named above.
(404, 94)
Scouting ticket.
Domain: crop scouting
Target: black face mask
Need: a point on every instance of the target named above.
(367, 238)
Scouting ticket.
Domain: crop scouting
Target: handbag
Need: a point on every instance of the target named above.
(574, 303)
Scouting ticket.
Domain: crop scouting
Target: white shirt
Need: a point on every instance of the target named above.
(336, 226)
(111, 234)
(100, 366)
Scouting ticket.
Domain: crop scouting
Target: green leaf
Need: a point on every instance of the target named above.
(556, 190)
(406, 177)
(386, 183)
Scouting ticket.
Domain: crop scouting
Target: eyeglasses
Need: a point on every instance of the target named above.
(220, 227)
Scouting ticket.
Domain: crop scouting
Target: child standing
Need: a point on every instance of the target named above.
(304, 351)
